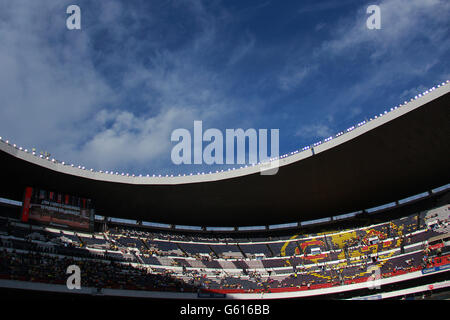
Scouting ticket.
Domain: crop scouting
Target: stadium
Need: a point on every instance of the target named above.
(361, 215)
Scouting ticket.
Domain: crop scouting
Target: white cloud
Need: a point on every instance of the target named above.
(292, 79)
(48, 90)
(132, 141)
(402, 21)
(324, 6)
(315, 131)
(407, 47)
(411, 42)
(242, 50)
(295, 75)
(56, 98)
(410, 93)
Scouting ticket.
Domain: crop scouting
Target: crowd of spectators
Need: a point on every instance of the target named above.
(38, 267)
(32, 256)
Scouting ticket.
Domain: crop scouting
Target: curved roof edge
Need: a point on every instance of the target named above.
(292, 157)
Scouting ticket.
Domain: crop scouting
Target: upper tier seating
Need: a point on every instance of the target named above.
(239, 263)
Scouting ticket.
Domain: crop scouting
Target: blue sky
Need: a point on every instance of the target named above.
(109, 95)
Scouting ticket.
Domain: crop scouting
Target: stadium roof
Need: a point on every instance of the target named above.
(395, 155)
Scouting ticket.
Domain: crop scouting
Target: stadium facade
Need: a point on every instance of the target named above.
(395, 162)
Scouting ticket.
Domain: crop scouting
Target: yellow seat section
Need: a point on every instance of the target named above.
(283, 249)
(340, 239)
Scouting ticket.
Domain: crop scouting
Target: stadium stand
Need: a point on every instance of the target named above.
(123, 258)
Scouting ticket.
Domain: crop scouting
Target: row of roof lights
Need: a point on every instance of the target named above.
(271, 159)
